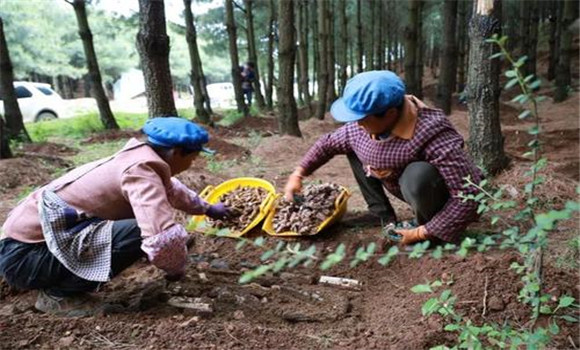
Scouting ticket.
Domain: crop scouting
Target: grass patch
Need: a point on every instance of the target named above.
(83, 125)
(94, 151)
(231, 117)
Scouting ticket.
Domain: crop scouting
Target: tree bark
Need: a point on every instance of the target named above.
(420, 51)
(322, 59)
(153, 48)
(532, 38)
(331, 59)
(271, 38)
(370, 36)
(5, 151)
(196, 76)
(302, 26)
(563, 74)
(449, 58)
(97, 90)
(359, 36)
(236, 73)
(253, 53)
(554, 18)
(343, 45)
(462, 43)
(411, 49)
(14, 127)
(483, 91)
(379, 42)
(288, 113)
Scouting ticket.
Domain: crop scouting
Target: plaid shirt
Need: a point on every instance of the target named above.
(434, 140)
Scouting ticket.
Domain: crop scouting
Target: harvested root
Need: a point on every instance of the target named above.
(244, 203)
(306, 215)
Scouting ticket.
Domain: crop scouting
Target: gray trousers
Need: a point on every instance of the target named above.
(422, 186)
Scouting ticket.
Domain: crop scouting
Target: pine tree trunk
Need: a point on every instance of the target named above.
(331, 60)
(563, 74)
(369, 33)
(153, 47)
(5, 151)
(411, 49)
(271, 38)
(483, 91)
(302, 28)
(236, 73)
(554, 18)
(206, 99)
(343, 40)
(288, 113)
(462, 24)
(196, 76)
(253, 53)
(359, 35)
(524, 26)
(532, 41)
(14, 127)
(322, 59)
(98, 92)
(420, 51)
(449, 58)
(314, 40)
(389, 36)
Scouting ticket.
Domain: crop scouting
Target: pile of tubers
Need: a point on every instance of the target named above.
(244, 205)
(308, 210)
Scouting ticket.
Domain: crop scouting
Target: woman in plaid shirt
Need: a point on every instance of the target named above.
(393, 140)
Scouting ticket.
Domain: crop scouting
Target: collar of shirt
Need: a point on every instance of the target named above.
(405, 126)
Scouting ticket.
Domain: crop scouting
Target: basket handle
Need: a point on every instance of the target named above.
(342, 197)
(206, 191)
(266, 203)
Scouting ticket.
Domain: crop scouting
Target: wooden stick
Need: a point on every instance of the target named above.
(484, 298)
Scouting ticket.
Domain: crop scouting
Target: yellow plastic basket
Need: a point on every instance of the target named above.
(212, 194)
(340, 206)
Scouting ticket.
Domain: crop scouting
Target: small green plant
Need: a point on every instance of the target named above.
(217, 166)
(231, 117)
(471, 336)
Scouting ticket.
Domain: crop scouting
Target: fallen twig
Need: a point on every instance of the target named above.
(231, 336)
(572, 342)
(484, 298)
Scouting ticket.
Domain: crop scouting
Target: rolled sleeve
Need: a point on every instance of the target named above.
(445, 152)
(167, 250)
(326, 148)
(186, 200)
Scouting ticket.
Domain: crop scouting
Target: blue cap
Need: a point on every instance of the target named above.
(368, 93)
(176, 132)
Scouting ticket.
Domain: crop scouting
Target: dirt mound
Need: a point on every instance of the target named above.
(49, 148)
(112, 135)
(243, 128)
(226, 150)
(560, 145)
(29, 171)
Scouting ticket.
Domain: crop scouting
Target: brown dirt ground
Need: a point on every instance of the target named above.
(292, 311)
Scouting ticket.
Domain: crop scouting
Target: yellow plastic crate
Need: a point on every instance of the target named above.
(340, 206)
(212, 194)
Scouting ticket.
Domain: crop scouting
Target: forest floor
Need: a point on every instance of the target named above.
(291, 310)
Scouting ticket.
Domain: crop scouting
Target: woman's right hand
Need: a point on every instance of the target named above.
(293, 185)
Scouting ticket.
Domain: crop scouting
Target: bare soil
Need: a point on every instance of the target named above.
(291, 310)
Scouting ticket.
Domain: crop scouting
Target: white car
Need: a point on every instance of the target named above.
(37, 101)
(221, 95)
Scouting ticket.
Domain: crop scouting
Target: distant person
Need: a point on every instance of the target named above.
(395, 141)
(82, 229)
(248, 77)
